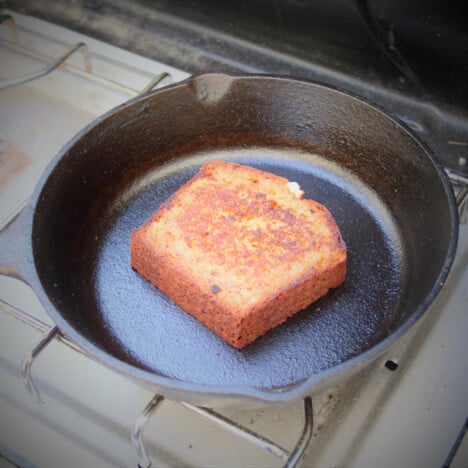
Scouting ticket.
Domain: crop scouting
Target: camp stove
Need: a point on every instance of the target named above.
(59, 407)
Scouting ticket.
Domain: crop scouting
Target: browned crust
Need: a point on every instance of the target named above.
(237, 329)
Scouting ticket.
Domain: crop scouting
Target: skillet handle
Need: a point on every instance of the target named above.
(15, 246)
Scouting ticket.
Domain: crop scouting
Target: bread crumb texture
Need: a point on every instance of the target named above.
(239, 250)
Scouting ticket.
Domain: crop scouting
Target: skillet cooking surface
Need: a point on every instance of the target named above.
(132, 320)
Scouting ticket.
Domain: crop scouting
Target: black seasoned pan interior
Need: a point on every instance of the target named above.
(390, 203)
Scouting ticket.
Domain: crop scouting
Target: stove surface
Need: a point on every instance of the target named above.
(407, 409)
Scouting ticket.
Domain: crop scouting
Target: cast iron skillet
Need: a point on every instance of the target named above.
(394, 207)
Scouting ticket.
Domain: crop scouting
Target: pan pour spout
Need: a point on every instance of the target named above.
(211, 88)
(15, 250)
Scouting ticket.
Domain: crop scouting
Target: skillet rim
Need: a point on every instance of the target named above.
(214, 394)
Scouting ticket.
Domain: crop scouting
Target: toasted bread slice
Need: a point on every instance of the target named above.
(240, 250)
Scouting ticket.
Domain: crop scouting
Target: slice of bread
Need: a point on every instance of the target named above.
(240, 250)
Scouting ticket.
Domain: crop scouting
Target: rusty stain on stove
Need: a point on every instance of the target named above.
(12, 162)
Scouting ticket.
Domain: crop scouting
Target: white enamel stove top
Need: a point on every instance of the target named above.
(409, 416)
